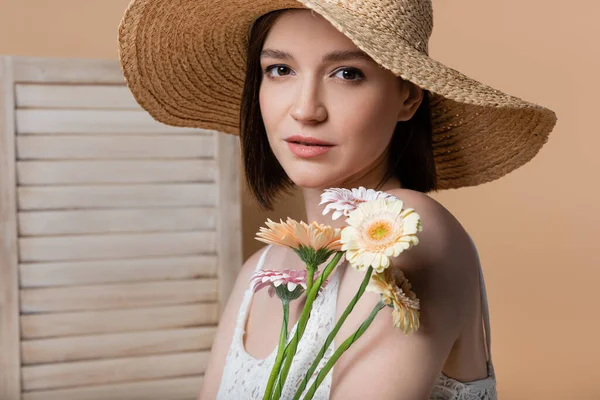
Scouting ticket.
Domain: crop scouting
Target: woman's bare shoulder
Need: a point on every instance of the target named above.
(422, 202)
(444, 264)
(438, 268)
(440, 227)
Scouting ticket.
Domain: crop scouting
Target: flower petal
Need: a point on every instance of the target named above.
(377, 231)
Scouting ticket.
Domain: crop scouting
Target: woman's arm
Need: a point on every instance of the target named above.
(384, 363)
(223, 336)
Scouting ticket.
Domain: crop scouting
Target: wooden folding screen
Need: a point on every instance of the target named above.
(120, 238)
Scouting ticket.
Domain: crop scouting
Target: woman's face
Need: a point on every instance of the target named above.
(318, 85)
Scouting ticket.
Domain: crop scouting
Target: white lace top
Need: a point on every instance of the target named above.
(245, 377)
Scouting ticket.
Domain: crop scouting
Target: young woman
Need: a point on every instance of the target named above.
(340, 94)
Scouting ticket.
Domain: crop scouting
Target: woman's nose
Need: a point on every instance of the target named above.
(308, 106)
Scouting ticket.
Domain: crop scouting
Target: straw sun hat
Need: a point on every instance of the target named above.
(184, 62)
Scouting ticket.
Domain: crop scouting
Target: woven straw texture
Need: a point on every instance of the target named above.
(185, 61)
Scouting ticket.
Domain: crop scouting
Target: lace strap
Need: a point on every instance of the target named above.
(484, 306)
(261, 260)
(486, 315)
(243, 311)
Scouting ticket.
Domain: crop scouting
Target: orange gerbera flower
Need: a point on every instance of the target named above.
(396, 292)
(295, 235)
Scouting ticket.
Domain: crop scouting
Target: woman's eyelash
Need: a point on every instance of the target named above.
(267, 71)
(356, 71)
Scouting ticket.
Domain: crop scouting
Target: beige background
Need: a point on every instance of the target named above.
(537, 229)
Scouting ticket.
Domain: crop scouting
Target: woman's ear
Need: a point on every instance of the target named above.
(412, 96)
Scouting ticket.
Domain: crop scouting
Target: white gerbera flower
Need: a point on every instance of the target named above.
(344, 201)
(377, 230)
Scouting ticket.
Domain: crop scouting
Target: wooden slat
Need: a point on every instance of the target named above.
(36, 121)
(67, 70)
(172, 389)
(116, 221)
(76, 147)
(127, 320)
(106, 247)
(230, 219)
(118, 296)
(130, 171)
(116, 271)
(62, 375)
(74, 96)
(10, 384)
(116, 345)
(116, 196)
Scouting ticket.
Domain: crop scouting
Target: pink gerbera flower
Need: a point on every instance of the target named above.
(344, 201)
(289, 283)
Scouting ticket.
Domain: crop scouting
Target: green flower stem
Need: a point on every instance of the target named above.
(291, 348)
(334, 332)
(310, 273)
(343, 347)
(280, 349)
(277, 367)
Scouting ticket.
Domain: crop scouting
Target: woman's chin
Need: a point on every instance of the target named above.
(311, 181)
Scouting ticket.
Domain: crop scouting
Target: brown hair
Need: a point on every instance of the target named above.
(410, 159)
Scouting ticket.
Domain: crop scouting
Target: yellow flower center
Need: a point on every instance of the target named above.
(379, 230)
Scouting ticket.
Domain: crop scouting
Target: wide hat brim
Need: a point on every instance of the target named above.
(185, 62)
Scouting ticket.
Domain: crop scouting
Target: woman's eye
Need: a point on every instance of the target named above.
(277, 70)
(350, 74)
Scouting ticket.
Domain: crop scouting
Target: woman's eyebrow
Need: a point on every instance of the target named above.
(332, 56)
(280, 54)
(346, 55)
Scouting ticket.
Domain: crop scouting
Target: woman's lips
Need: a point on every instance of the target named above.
(307, 151)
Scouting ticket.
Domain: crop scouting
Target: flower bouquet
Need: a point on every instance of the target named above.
(377, 228)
